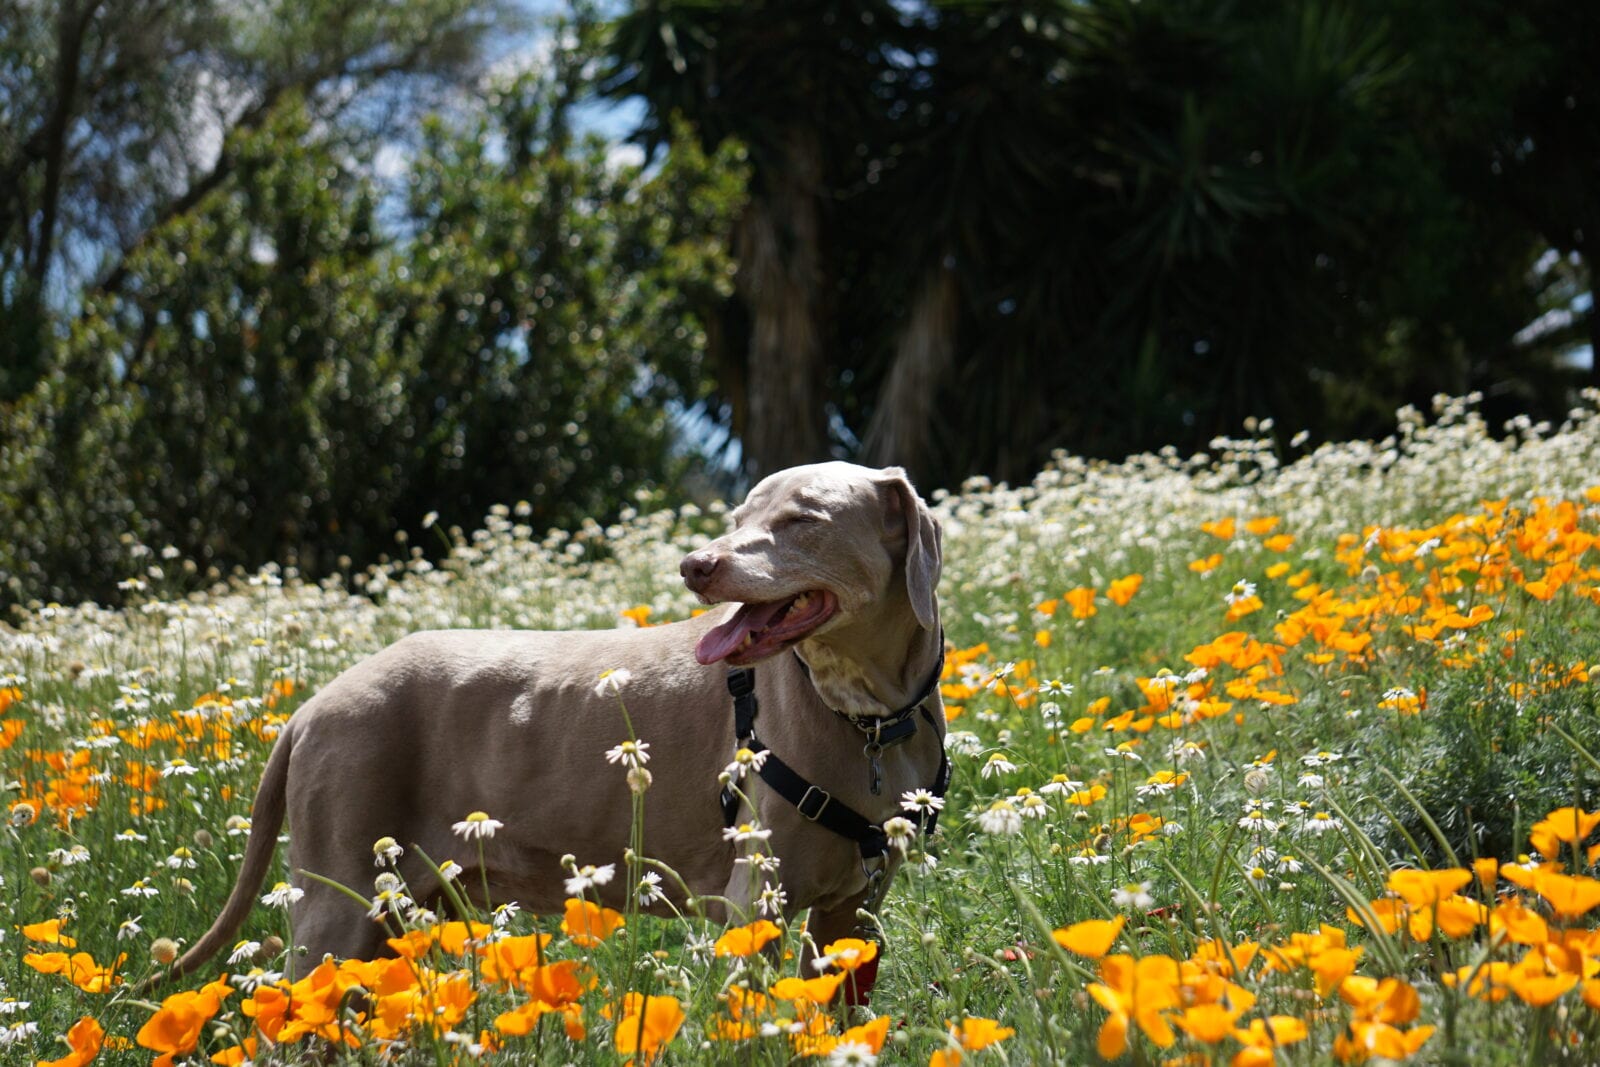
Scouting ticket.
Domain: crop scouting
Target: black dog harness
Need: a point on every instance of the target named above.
(816, 803)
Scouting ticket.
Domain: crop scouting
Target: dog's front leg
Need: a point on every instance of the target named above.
(824, 926)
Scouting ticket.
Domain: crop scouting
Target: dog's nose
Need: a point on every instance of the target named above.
(697, 569)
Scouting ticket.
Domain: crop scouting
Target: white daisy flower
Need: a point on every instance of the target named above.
(1258, 823)
(997, 764)
(921, 801)
(386, 850)
(900, 831)
(1242, 590)
(1001, 818)
(177, 765)
(1031, 804)
(247, 983)
(587, 877)
(392, 901)
(1321, 822)
(631, 754)
(745, 832)
(649, 889)
(759, 861)
(612, 681)
(476, 825)
(852, 1054)
(744, 761)
(244, 950)
(772, 900)
(1133, 895)
(282, 895)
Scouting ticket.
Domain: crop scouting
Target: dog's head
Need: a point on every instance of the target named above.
(813, 549)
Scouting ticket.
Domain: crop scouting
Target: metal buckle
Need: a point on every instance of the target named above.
(877, 886)
(741, 682)
(827, 798)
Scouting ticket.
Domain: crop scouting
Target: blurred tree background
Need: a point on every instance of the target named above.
(279, 279)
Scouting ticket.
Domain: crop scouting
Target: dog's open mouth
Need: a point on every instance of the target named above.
(756, 631)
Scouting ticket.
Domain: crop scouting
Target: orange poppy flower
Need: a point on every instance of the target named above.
(85, 1039)
(1423, 888)
(1537, 989)
(976, 1033)
(848, 953)
(175, 1027)
(818, 990)
(1380, 1041)
(1569, 896)
(747, 940)
(1122, 590)
(1521, 925)
(1570, 825)
(1135, 992)
(1081, 600)
(589, 924)
(80, 968)
(871, 1034)
(511, 958)
(648, 1025)
(1092, 937)
(1488, 871)
(1459, 916)
(48, 933)
(453, 937)
(1207, 1023)
(1390, 1000)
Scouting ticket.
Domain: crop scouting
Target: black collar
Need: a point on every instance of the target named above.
(886, 730)
(812, 801)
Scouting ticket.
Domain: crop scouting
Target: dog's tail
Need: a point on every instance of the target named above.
(266, 819)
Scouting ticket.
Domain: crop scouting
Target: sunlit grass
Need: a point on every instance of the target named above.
(1255, 763)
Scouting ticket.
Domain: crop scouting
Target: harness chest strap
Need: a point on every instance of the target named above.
(811, 800)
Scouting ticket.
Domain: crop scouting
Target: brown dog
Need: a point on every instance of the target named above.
(835, 562)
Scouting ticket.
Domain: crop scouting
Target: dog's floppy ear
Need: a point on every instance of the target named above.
(905, 507)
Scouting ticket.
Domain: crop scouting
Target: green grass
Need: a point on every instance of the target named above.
(1452, 736)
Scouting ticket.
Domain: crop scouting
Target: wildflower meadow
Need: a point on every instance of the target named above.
(1257, 759)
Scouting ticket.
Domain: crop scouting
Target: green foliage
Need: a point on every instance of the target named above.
(1159, 218)
(1509, 761)
(282, 380)
(113, 110)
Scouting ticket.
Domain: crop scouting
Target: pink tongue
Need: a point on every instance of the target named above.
(721, 642)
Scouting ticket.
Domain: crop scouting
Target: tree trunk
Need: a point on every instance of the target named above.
(903, 419)
(781, 281)
(1593, 314)
(71, 26)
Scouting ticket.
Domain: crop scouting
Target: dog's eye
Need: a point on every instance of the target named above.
(798, 518)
